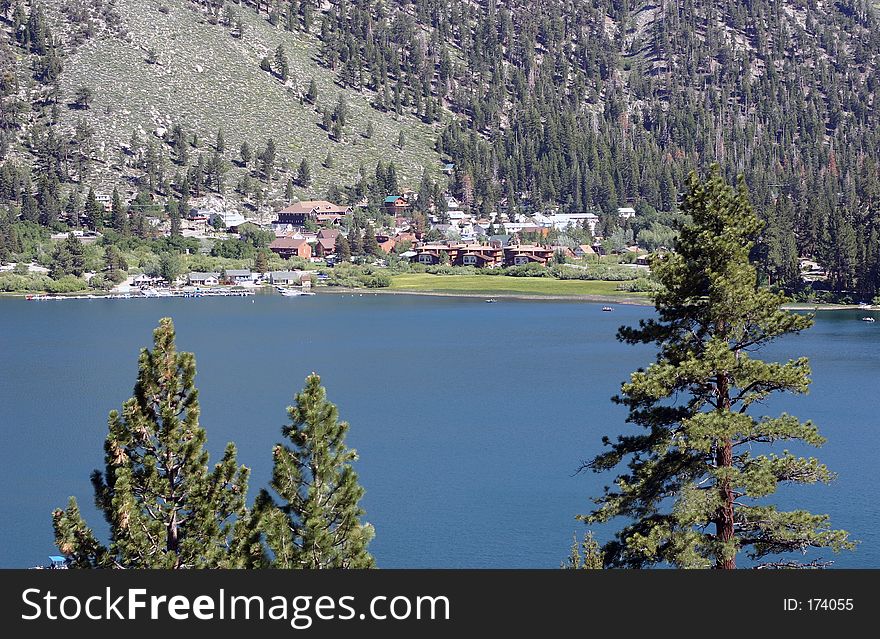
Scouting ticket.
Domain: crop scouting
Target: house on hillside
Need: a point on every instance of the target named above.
(328, 234)
(395, 204)
(626, 213)
(324, 246)
(318, 211)
(230, 220)
(288, 247)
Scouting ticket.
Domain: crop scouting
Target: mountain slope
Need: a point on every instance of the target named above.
(207, 80)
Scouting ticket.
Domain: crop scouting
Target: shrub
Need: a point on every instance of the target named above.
(532, 269)
(605, 272)
(640, 285)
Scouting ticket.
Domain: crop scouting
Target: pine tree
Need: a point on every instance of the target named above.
(371, 246)
(220, 143)
(173, 210)
(118, 214)
(591, 559)
(246, 153)
(692, 483)
(165, 506)
(170, 267)
(282, 67)
(72, 209)
(318, 522)
(312, 93)
(94, 211)
(355, 241)
(343, 248)
(267, 160)
(261, 262)
(304, 174)
(114, 264)
(68, 258)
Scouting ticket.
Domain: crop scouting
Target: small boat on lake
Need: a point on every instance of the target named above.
(868, 319)
(292, 292)
(491, 301)
(607, 309)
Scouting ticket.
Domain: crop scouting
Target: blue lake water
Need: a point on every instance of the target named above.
(470, 418)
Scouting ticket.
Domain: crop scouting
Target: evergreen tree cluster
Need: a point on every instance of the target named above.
(167, 507)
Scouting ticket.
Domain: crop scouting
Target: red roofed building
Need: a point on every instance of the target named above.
(325, 246)
(386, 242)
(526, 253)
(288, 247)
(479, 255)
(320, 211)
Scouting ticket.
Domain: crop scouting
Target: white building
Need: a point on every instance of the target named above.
(230, 219)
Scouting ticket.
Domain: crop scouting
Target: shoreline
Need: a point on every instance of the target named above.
(632, 301)
(339, 290)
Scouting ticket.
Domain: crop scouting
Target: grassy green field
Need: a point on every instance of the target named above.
(505, 285)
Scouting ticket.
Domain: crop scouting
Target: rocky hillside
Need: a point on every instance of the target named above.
(153, 65)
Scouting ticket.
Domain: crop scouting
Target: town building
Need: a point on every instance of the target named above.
(396, 204)
(238, 276)
(288, 247)
(203, 279)
(479, 255)
(527, 253)
(321, 212)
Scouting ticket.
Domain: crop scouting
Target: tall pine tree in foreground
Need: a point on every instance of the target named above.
(165, 506)
(317, 524)
(694, 481)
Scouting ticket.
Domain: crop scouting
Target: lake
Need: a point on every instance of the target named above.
(470, 419)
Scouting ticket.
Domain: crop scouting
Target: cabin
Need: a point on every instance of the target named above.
(324, 246)
(147, 281)
(626, 213)
(583, 250)
(328, 234)
(396, 204)
(500, 241)
(480, 256)
(238, 276)
(203, 279)
(430, 254)
(559, 249)
(286, 278)
(288, 247)
(386, 242)
(527, 254)
(318, 211)
(230, 220)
